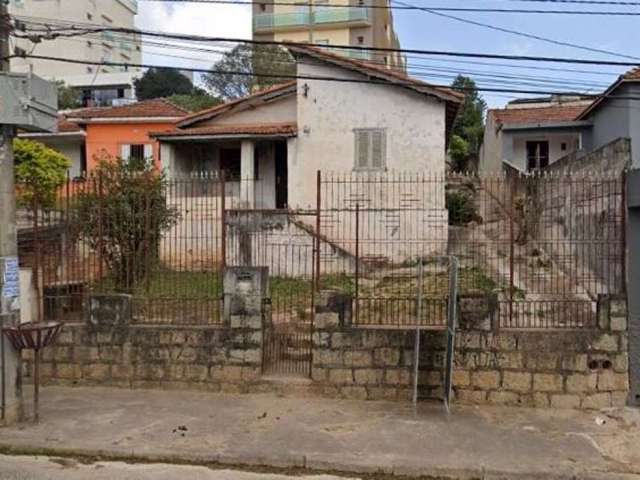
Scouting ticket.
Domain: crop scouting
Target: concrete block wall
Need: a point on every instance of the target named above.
(572, 369)
(108, 349)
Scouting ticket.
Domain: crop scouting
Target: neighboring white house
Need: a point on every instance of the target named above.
(530, 135)
(271, 144)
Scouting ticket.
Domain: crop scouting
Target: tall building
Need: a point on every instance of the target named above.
(358, 24)
(100, 85)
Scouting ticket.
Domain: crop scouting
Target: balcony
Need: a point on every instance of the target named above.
(355, 54)
(269, 22)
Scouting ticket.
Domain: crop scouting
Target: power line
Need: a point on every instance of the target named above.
(519, 33)
(414, 68)
(74, 31)
(582, 2)
(402, 7)
(200, 48)
(397, 82)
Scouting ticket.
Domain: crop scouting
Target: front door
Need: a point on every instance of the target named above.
(282, 199)
(537, 155)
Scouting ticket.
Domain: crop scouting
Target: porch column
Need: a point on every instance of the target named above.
(167, 162)
(247, 174)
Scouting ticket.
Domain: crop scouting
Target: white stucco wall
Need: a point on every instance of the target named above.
(279, 111)
(491, 150)
(519, 156)
(327, 116)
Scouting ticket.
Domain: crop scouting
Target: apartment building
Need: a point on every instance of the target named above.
(100, 85)
(359, 23)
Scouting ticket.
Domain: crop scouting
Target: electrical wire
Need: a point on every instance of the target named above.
(396, 81)
(402, 7)
(198, 38)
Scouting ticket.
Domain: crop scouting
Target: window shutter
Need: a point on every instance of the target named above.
(362, 149)
(377, 148)
(148, 151)
(125, 152)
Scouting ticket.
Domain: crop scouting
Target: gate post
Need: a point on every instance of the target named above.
(245, 289)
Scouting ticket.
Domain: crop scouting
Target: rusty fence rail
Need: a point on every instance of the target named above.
(545, 246)
(160, 241)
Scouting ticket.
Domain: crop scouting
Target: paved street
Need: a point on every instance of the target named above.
(54, 468)
(245, 431)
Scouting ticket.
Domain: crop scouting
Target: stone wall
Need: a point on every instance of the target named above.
(573, 369)
(108, 349)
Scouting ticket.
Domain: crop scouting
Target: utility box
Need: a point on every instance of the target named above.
(28, 102)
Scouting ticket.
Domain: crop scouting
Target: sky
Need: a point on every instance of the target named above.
(424, 30)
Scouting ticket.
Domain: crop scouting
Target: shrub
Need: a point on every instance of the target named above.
(462, 209)
(40, 171)
(123, 214)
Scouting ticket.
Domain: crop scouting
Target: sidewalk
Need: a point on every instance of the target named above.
(290, 433)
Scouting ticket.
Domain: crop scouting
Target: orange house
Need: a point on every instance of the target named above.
(123, 131)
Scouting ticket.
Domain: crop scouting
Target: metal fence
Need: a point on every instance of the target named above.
(545, 246)
(160, 242)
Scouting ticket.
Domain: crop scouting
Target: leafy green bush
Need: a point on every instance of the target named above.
(122, 214)
(40, 171)
(462, 209)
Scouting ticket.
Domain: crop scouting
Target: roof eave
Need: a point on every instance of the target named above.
(208, 114)
(551, 125)
(227, 136)
(105, 120)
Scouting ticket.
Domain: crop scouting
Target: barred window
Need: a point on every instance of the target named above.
(370, 149)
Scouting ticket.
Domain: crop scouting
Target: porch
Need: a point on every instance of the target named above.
(255, 166)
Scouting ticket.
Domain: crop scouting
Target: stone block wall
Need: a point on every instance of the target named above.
(108, 349)
(573, 369)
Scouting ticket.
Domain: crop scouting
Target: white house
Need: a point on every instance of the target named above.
(374, 120)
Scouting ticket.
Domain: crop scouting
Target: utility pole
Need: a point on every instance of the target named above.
(10, 376)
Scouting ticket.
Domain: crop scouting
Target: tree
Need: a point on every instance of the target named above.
(195, 101)
(68, 97)
(122, 214)
(40, 171)
(162, 82)
(469, 124)
(458, 152)
(245, 63)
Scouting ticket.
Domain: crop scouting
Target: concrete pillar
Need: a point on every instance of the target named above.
(167, 159)
(247, 174)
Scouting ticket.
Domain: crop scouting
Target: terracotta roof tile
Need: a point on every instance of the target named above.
(633, 74)
(157, 107)
(65, 126)
(372, 68)
(218, 109)
(557, 113)
(285, 129)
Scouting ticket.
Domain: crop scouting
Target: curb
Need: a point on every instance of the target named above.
(296, 465)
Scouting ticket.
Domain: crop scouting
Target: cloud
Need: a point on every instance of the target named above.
(198, 19)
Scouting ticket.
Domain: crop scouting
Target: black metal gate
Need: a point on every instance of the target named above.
(284, 241)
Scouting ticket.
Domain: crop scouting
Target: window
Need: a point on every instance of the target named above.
(263, 7)
(537, 155)
(89, 16)
(360, 40)
(563, 146)
(138, 153)
(370, 149)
